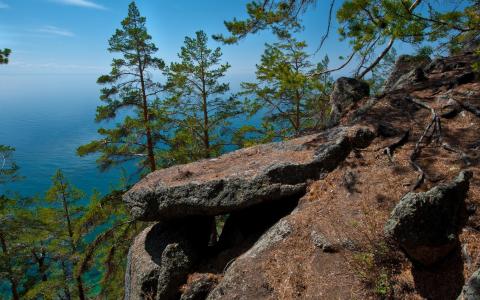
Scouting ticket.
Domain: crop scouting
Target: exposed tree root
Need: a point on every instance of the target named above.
(432, 132)
(390, 149)
(470, 107)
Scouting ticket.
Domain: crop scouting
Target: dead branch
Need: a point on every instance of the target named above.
(418, 145)
(329, 25)
(470, 107)
(336, 69)
(389, 45)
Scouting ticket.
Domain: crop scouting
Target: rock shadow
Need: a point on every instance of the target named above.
(243, 229)
(175, 247)
(444, 280)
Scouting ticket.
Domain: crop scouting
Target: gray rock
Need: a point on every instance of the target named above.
(274, 235)
(409, 79)
(161, 257)
(200, 288)
(426, 225)
(447, 64)
(404, 64)
(346, 91)
(243, 178)
(471, 289)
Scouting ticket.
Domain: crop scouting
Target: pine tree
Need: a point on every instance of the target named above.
(20, 233)
(130, 85)
(289, 98)
(67, 245)
(13, 255)
(108, 218)
(4, 54)
(201, 111)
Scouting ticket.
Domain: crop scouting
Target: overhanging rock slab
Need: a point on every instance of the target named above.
(244, 177)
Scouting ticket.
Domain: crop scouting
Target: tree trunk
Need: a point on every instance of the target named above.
(66, 290)
(146, 120)
(13, 282)
(40, 259)
(81, 293)
(297, 113)
(146, 117)
(206, 136)
(389, 46)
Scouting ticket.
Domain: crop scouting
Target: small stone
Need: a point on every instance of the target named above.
(320, 241)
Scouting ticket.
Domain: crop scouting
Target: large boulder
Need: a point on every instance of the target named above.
(346, 92)
(243, 178)
(407, 69)
(471, 290)
(426, 225)
(162, 256)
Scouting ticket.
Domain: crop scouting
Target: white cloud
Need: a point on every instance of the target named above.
(81, 3)
(3, 5)
(55, 31)
(56, 66)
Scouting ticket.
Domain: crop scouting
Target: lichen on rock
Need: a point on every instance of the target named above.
(426, 225)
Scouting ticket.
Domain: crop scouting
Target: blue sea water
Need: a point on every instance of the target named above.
(46, 117)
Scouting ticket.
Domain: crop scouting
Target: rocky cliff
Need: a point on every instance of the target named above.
(383, 204)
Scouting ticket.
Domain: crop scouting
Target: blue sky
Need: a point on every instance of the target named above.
(70, 36)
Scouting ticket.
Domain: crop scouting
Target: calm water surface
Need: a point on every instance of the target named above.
(46, 117)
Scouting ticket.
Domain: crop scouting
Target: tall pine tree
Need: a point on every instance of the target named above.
(130, 85)
(289, 98)
(199, 107)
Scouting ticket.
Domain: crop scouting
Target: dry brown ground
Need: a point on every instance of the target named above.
(351, 205)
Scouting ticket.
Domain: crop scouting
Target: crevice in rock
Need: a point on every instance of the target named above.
(242, 229)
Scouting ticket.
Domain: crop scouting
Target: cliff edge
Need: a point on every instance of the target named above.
(383, 204)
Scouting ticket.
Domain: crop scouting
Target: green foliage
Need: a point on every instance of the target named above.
(279, 15)
(19, 238)
(290, 99)
(371, 27)
(129, 85)
(375, 266)
(4, 54)
(199, 110)
(62, 218)
(8, 168)
(113, 230)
